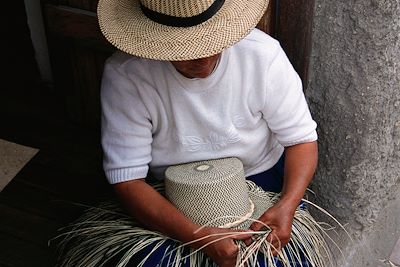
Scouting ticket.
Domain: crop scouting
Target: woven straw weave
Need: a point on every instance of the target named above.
(216, 187)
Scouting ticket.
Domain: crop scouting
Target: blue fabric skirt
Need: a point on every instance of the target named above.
(270, 180)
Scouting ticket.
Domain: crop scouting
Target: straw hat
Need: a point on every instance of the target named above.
(211, 193)
(177, 29)
(215, 193)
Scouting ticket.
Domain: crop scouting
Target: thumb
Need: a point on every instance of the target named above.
(243, 235)
(257, 226)
(275, 242)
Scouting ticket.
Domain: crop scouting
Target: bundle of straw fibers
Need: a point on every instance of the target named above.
(106, 236)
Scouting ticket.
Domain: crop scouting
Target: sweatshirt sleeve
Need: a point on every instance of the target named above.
(285, 108)
(125, 127)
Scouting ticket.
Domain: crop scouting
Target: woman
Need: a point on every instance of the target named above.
(196, 81)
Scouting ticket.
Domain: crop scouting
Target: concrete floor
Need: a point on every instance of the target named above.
(12, 158)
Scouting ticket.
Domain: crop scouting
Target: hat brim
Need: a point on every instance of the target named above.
(127, 28)
(262, 201)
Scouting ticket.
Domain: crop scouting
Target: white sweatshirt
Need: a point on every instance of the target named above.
(250, 107)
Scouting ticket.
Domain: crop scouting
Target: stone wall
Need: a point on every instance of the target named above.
(354, 95)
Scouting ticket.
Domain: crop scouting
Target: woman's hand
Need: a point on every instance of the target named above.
(162, 216)
(223, 252)
(300, 164)
(280, 219)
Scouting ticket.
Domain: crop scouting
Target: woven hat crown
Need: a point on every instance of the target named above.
(178, 8)
(207, 190)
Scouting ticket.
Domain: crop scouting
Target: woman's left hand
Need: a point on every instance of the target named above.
(300, 165)
(279, 219)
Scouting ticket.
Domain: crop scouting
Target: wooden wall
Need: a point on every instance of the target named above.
(20, 73)
(294, 30)
(77, 51)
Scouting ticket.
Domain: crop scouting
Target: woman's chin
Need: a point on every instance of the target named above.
(193, 75)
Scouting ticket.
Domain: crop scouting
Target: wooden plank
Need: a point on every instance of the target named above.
(34, 200)
(78, 70)
(90, 5)
(84, 4)
(68, 22)
(26, 226)
(68, 167)
(78, 53)
(70, 180)
(294, 31)
(70, 157)
(267, 22)
(87, 68)
(19, 253)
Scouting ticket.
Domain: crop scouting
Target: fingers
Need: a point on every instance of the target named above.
(248, 241)
(278, 241)
(221, 246)
(278, 237)
(246, 237)
(243, 235)
(275, 242)
(227, 254)
(279, 221)
(258, 226)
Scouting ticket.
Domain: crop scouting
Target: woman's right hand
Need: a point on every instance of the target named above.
(223, 252)
(162, 216)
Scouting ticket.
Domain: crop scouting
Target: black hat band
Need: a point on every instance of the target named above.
(182, 21)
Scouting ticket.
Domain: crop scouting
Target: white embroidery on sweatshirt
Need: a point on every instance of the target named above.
(212, 142)
(239, 121)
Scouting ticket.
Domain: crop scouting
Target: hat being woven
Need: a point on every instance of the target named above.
(177, 29)
(215, 193)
